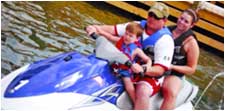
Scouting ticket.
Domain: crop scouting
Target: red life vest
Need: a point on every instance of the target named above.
(127, 49)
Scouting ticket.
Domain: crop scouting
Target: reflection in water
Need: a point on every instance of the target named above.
(31, 31)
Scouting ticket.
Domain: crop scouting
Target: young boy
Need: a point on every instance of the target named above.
(130, 46)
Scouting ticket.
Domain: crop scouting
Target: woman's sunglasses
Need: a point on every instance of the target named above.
(151, 14)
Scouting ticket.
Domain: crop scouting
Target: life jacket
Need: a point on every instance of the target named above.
(149, 43)
(127, 50)
(180, 57)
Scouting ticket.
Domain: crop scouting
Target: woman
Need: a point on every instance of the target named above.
(186, 47)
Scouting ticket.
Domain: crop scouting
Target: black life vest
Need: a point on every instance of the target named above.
(180, 57)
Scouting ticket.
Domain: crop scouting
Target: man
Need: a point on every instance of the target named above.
(155, 37)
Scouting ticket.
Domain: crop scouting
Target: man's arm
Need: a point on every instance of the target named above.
(155, 70)
(163, 54)
(115, 30)
(103, 30)
(108, 31)
(94, 28)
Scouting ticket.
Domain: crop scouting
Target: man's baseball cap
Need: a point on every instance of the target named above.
(160, 10)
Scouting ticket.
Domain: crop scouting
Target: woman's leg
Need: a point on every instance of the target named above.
(170, 88)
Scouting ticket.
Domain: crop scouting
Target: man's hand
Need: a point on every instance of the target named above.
(136, 68)
(90, 29)
(171, 67)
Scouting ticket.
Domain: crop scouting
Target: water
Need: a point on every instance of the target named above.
(207, 87)
(32, 31)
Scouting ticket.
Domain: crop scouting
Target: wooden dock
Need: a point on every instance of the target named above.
(209, 29)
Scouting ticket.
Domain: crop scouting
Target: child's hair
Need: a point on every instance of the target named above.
(135, 28)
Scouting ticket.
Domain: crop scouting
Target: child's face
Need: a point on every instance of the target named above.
(129, 38)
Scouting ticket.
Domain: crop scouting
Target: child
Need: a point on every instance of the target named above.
(130, 46)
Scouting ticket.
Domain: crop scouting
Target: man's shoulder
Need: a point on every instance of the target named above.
(167, 38)
(165, 42)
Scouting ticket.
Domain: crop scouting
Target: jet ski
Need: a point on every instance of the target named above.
(73, 81)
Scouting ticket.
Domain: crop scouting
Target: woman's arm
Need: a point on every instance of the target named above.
(192, 49)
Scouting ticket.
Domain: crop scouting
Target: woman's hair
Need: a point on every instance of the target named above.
(194, 14)
(135, 28)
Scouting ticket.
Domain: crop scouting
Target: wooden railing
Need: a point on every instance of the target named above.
(209, 29)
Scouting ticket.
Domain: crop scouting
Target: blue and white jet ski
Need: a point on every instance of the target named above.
(72, 81)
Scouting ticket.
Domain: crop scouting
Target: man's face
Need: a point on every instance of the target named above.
(155, 23)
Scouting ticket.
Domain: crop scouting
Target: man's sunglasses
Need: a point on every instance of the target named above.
(151, 14)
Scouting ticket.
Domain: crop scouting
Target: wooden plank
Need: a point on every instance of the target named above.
(179, 5)
(211, 28)
(213, 2)
(209, 16)
(209, 41)
(222, 2)
(142, 13)
(130, 8)
(214, 18)
(205, 39)
(205, 25)
(149, 3)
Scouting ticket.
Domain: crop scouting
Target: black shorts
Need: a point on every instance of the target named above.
(180, 75)
(175, 73)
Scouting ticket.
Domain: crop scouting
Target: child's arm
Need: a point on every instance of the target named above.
(138, 52)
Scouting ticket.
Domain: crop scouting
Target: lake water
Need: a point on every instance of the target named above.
(32, 31)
